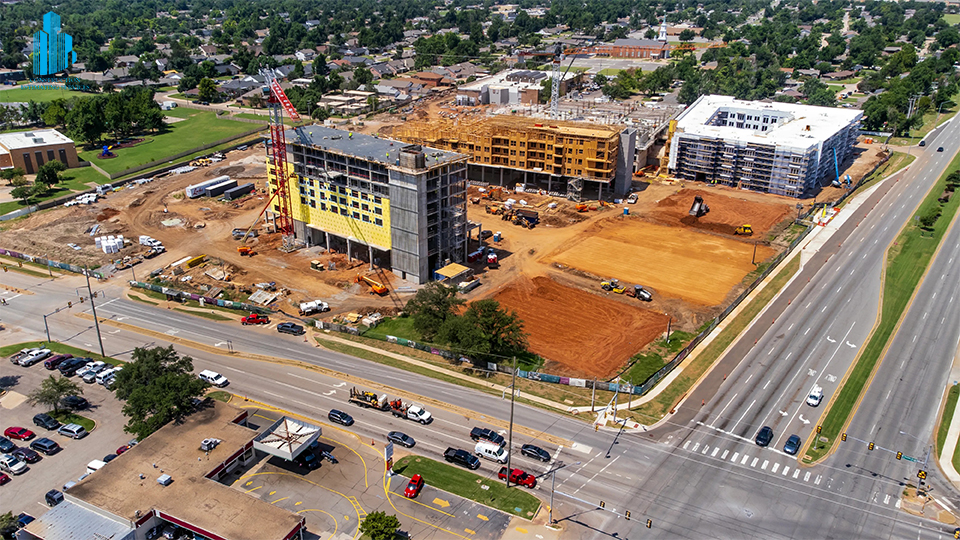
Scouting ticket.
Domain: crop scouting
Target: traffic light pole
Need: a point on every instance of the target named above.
(93, 307)
(513, 395)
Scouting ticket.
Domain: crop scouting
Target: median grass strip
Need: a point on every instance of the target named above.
(657, 408)
(140, 299)
(401, 327)
(469, 485)
(907, 261)
(947, 417)
(206, 315)
(67, 417)
(57, 348)
(220, 395)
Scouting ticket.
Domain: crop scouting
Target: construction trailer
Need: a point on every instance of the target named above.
(237, 192)
(218, 189)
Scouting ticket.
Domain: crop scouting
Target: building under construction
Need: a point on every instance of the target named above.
(574, 159)
(781, 148)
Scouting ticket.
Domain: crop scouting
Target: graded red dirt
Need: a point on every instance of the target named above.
(678, 262)
(588, 335)
(725, 215)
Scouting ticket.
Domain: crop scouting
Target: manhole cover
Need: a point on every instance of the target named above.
(748, 513)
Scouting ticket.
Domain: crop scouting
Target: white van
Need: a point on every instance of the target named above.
(95, 466)
(214, 378)
(491, 451)
(106, 374)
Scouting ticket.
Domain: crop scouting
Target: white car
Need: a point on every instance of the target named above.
(815, 397)
(12, 465)
(34, 357)
(96, 367)
(214, 378)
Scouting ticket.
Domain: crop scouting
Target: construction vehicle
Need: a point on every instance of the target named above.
(582, 207)
(610, 284)
(245, 251)
(745, 230)
(699, 208)
(494, 209)
(410, 412)
(632, 198)
(153, 252)
(128, 262)
(527, 219)
(309, 308)
(475, 200)
(640, 293)
(370, 400)
(375, 286)
(619, 289)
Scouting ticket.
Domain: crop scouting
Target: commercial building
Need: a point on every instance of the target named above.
(572, 158)
(181, 475)
(31, 149)
(393, 205)
(781, 148)
(511, 87)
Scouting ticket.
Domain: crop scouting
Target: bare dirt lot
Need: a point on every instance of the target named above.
(564, 323)
(699, 268)
(726, 212)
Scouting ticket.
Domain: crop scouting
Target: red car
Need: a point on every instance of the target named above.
(123, 449)
(4, 478)
(518, 476)
(255, 318)
(414, 487)
(19, 433)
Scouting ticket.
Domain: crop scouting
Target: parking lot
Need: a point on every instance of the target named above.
(24, 492)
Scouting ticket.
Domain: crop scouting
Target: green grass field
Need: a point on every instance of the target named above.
(907, 260)
(59, 348)
(220, 395)
(73, 180)
(609, 72)
(515, 500)
(948, 409)
(930, 120)
(649, 362)
(200, 127)
(951, 18)
(401, 327)
(14, 95)
(253, 116)
(67, 417)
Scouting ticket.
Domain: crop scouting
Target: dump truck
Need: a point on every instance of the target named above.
(316, 306)
(699, 208)
(745, 230)
(531, 217)
(410, 412)
(370, 400)
(375, 286)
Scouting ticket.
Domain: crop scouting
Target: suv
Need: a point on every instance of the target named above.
(764, 436)
(74, 431)
(815, 397)
(45, 421)
(45, 446)
(70, 367)
(75, 402)
(478, 433)
(54, 361)
(462, 458)
(340, 417)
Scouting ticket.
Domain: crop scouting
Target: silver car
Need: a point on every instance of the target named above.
(90, 376)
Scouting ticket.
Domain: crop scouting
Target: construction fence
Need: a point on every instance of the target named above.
(176, 295)
(51, 264)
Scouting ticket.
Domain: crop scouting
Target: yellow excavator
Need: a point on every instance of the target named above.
(745, 230)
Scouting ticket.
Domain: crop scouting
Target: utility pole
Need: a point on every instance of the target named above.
(96, 322)
(513, 395)
(553, 488)
(47, 328)
(593, 396)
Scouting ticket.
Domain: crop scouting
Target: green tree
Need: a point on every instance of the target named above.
(431, 307)
(297, 72)
(144, 71)
(39, 190)
(8, 525)
(23, 193)
(380, 526)
(85, 120)
(208, 90)
(502, 329)
(600, 79)
(52, 390)
(56, 113)
(362, 75)
(49, 173)
(373, 102)
(157, 387)
(11, 174)
(320, 65)
(687, 35)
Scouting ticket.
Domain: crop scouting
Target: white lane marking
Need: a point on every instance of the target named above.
(744, 460)
(796, 473)
(705, 448)
(771, 350)
(764, 466)
(715, 450)
(886, 499)
(724, 456)
(720, 416)
(741, 416)
(686, 444)
(695, 447)
(805, 333)
(735, 456)
(754, 462)
(824, 309)
(234, 369)
(806, 477)
(775, 467)
(817, 481)
(786, 470)
(765, 385)
(791, 327)
(925, 315)
(808, 305)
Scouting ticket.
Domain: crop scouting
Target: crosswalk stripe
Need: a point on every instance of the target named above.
(735, 456)
(817, 481)
(806, 477)
(705, 448)
(715, 450)
(745, 458)
(764, 466)
(754, 462)
(796, 473)
(724, 456)
(686, 444)
(886, 499)
(774, 468)
(786, 470)
(694, 449)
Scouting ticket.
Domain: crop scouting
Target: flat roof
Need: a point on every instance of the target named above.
(500, 80)
(70, 521)
(191, 497)
(286, 438)
(802, 126)
(381, 150)
(452, 270)
(30, 139)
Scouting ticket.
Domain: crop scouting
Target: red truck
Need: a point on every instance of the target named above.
(518, 476)
(255, 318)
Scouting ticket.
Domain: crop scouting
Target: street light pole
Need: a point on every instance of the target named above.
(96, 322)
(47, 328)
(553, 488)
(513, 395)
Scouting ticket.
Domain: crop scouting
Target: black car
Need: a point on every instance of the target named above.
(24, 519)
(53, 497)
(45, 421)
(764, 436)
(308, 460)
(535, 452)
(290, 328)
(6, 445)
(109, 457)
(462, 458)
(26, 454)
(340, 417)
(792, 445)
(479, 433)
(76, 403)
(45, 446)
(401, 438)
(70, 367)
(940, 149)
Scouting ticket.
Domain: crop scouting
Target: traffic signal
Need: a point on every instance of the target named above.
(69, 304)
(649, 523)
(921, 474)
(818, 429)
(843, 436)
(626, 514)
(870, 446)
(603, 504)
(956, 533)
(899, 455)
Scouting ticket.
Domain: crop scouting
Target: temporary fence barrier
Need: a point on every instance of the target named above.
(51, 264)
(175, 294)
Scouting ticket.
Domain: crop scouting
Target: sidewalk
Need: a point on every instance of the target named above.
(953, 434)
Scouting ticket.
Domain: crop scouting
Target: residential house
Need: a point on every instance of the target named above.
(358, 60)
(312, 23)
(305, 55)
(382, 70)
(228, 69)
(126, 61)
(402, 66)
(208, 49)
(262, 33)
(838, 75)
(432, 80)
(807, 72)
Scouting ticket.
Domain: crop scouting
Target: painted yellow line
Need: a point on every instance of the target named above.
(271, 493)
(335, 524)
(483, 517)
(441, 503)
(252, 489)
(468, 531)
(280, 499)
(298, 503)
(414, 501)
(521, 530)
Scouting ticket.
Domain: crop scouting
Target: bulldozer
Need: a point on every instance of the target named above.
(745, 230)
(582, 207)
(245, 251)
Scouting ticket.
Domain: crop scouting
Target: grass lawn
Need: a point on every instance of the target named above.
(835, 88)
(189, 303)
(907, 260)
(42, 269)
(253, 116)
(142, 299)
(609, 72)
(657, 408)
(660, 352)
(851, 80)
(948, 410)
(59, 348)
(200, 127)
(11, 264)
(951, 18)
(469, 485)
(27, 94)
(220, 395)
(204, 314)
(401, 327)
(181, 112)
(67, 417)
(73, 180)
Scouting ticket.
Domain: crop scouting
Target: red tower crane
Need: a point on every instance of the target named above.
(277, 102)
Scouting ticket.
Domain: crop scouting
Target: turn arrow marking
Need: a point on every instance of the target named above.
(441, 503)
(804, 420)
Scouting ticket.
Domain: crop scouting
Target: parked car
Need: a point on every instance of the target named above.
(518, 476)
(46, 421)
(290, 328)
(45, 446)
(53, 497)
(26, 455)
(413, 487)
(24, 519)
(109, 457)
(792, 445)
(123, 449)
(54, 361)
(23, 353)
(254, 318)
(213, 378)
(75, 403)
(18, 433)
(87, 367)
(4, 478)
(34, 357)
(90, 373)
(74, 431)
(6, 445)
(308, 460)
(69, 368)
(535, 452)
(401, 438)
(340, 417)
(764, 436)
(12, 465)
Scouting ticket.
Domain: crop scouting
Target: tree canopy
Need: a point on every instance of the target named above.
(52, 390)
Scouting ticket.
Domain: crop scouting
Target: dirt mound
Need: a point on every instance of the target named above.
(582, 334)
(107, 213)
(726, 212)
(231, 170)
